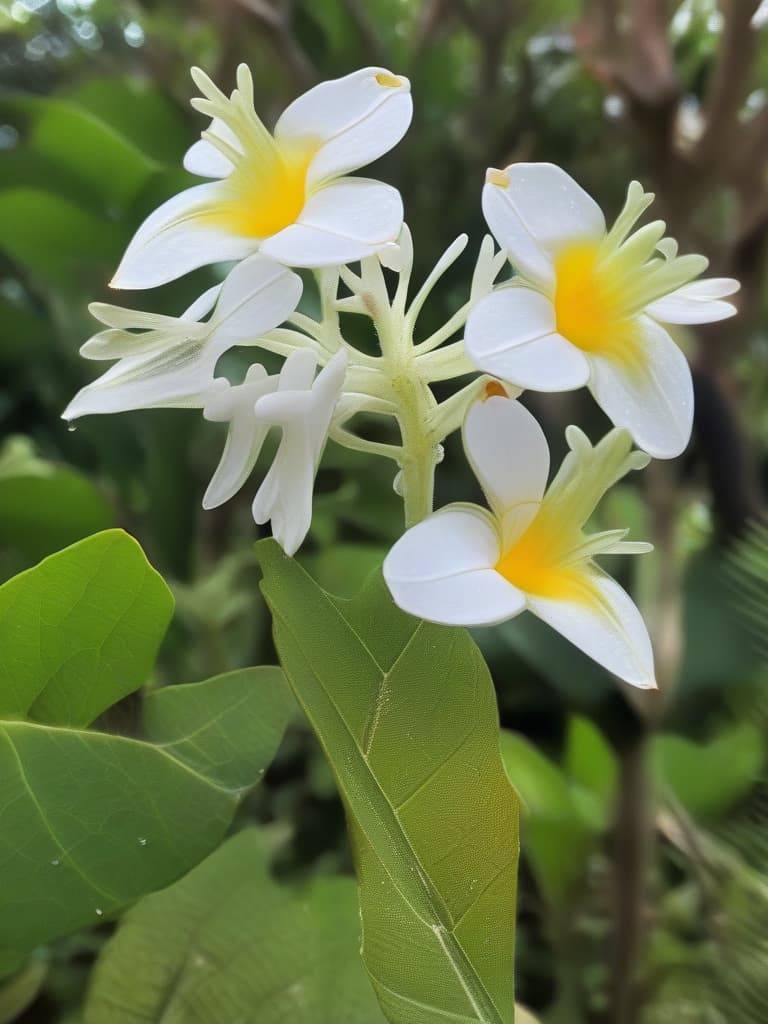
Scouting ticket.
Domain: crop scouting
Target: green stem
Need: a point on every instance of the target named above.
(414, 403)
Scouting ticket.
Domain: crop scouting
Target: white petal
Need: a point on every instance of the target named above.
(511, 334)
(540, 211)
(257, 296)
(181, 235)
(202, 306)
(114, 344)
(652, 397)
(244, 438)
(508, 452)
(204, 159)
(696, 303)
(355, 119)
(130, 319)
(285, 496)
(178, 377)
(442, 570)
(343, 222)
(304, 414)
(610, 629)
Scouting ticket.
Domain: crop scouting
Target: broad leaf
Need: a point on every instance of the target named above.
(89, 821)
(406, 713)
(228, 944)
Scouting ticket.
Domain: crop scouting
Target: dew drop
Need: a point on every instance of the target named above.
(99, 912)
(55, 862)
(142, 841)
(71, 427)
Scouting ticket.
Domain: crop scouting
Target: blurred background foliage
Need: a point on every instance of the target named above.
(644, 891)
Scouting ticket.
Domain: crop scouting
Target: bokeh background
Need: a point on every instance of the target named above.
(644, 886)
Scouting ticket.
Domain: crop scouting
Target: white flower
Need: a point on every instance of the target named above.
(587, 305)
(466, 566)
(171, 363)
(286, 194)
(302, 406)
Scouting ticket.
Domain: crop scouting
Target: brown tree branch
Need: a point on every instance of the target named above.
(730, 82)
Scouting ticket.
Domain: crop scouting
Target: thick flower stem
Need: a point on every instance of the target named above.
(414, 404)
(420, 451)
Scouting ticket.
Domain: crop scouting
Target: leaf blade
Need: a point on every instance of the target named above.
(410, 770)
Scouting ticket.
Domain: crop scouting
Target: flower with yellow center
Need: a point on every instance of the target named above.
(588, 304)
(470, 567)
(287, 193)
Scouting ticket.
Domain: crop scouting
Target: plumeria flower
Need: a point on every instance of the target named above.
(467, 566)
(589, 304)
(302, 405)
(171, 361)
(286, 194)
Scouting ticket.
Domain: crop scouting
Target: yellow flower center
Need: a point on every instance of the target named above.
(268, 197)
(590, 305)
(534, 564)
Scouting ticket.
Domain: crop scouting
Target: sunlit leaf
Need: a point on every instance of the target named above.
(90, 821)
(406, 713)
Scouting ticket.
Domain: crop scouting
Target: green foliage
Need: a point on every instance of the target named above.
(228, 944)
(106, 818)
(565, 810)
(406, 714)
(710, 779)
(45, 507)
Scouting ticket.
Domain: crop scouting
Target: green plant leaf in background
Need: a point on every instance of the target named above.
(230, 945)
(406, 713)
(557, 831)
(710, 779)
(104, 819)
(44, 507)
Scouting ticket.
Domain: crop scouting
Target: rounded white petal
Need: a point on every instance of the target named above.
(540, 210)
(355, 120)
(235, 405)
(609, 629)
(241, 450)
(652, 397)
(181, 235)
(696, 303)
(257, 295)
(343, 222)
(203, 305)
(442, 570)
(511, 334)
(508, 452)
(204, 159)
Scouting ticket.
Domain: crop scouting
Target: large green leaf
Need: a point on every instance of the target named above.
(406, 713)
(91, 821)
(228, 944)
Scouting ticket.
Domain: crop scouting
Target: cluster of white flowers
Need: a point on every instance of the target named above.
(585, 307)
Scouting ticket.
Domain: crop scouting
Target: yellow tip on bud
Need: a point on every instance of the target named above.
(493, 176)
(388, 80)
